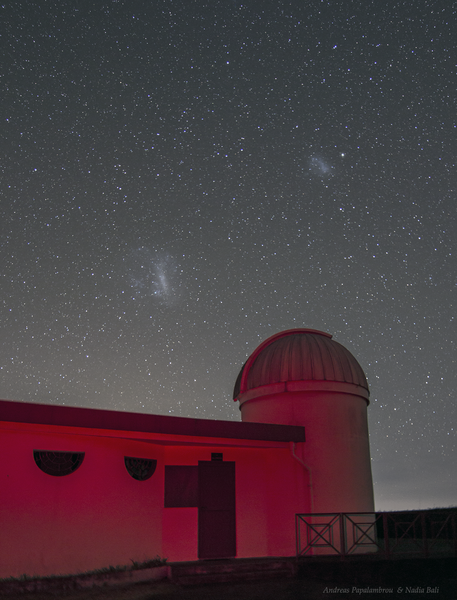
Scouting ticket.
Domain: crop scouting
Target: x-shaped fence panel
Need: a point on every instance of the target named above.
(417, 533)
(360, 532)
(319, 532)
(335, 533)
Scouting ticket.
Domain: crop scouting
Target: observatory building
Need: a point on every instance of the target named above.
(303, 377)
(83, 489)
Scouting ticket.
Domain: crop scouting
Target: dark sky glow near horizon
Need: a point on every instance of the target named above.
(181, 180)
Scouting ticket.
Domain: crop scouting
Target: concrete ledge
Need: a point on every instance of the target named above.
(206, 572)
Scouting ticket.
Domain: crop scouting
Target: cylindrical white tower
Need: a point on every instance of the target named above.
(303, 377)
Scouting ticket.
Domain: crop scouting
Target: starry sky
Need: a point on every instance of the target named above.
(182, 179)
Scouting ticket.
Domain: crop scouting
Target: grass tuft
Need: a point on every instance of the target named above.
(136, 566)
(148, 564)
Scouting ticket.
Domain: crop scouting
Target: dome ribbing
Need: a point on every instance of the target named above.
(299, 355)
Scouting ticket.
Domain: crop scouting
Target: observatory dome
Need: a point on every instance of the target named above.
(299, 355)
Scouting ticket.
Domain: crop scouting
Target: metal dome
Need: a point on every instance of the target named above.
(299, 355)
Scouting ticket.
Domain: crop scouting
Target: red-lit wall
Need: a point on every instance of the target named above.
(337, 447)
(271, 487)
(100, 516)
(95, 517)
(280, 492)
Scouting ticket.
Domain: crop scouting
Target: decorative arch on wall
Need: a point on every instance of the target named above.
(58, 464)
(140, 468)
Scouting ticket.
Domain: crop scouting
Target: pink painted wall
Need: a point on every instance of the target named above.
(95, 517)
(271, 487)
(180, 525)
(100, 516)
(336, 448)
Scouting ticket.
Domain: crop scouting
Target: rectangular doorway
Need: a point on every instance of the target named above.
(216, 509)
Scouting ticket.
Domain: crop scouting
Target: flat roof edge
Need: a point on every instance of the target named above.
(95, 418)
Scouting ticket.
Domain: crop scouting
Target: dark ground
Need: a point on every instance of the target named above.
(409, 579)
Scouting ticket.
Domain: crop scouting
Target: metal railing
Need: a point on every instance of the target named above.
(391, 534)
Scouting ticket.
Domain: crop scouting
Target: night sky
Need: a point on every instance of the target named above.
(182, 179)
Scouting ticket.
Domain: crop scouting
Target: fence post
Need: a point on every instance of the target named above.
(385, 528)
(424, 533)
(454, 531)
(297, 534)
(343, 533)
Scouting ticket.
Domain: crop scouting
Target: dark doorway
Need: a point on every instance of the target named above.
(216, 509)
